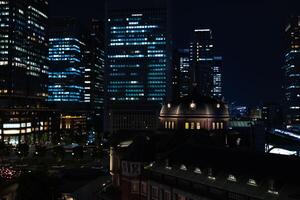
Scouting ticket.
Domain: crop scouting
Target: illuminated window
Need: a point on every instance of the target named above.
(187, 125)
(213, 125)
(198, 126)
(218, 125)
(192, 125)
(221, 125)
(173, 125)
(166, 125)
(169, 125)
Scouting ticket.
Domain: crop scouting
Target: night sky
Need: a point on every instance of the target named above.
(249, 34)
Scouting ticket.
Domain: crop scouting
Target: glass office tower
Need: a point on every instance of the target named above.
(66, 73)
(217, 77)
(23, 73)
(292, 71)
(94, 73)
(185, 72)
(201, 50)
(206, 66)
(137, 56)
(137, 65)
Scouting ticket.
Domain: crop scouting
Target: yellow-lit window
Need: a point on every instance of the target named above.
(198, 125)
(218, 125)
(222, 125)
(166, 125)
(173, 125)
(192, 125)
(187, 125)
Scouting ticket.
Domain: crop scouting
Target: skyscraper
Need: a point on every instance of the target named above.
(94, 73)
(292, 71)
(217, 77)
(66, 49)
(24, 68)
(66, 75)
(185, 71)
(206, 66)
(137, 66)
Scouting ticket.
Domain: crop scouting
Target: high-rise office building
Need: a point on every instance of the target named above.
(76, 75)
(137, 65)
(94, 73)
(206, 66)
(66, 74)
(23, 73)
(185, 71)
(292, 71)
(217, 77)
(66, 49)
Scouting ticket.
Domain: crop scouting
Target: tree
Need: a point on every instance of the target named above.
(78, 152)
(37, 185)
(4, 150)
(40, 150)
(58, 153)
(98, 153)
(22, 150)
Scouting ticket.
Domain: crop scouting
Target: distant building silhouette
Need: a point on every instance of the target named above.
(206, 65)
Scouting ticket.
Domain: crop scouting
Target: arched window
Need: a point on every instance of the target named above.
(187, 126)
(198, 126)
(213, 125)
(218, 125)
(222, 125)
(192, 125)
(173, 125)
(166, 124)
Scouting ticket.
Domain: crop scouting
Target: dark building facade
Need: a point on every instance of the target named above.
(292, 71)
(24, 69)
(193, 168)
(182, 72)
(206, 65)
(94, 73)
(137, 65)
(217, 83)
(271, 114)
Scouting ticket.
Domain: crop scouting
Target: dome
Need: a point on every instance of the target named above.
(195, 106)
(194, 112)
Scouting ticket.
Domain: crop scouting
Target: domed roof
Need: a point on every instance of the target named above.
(195, 105)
